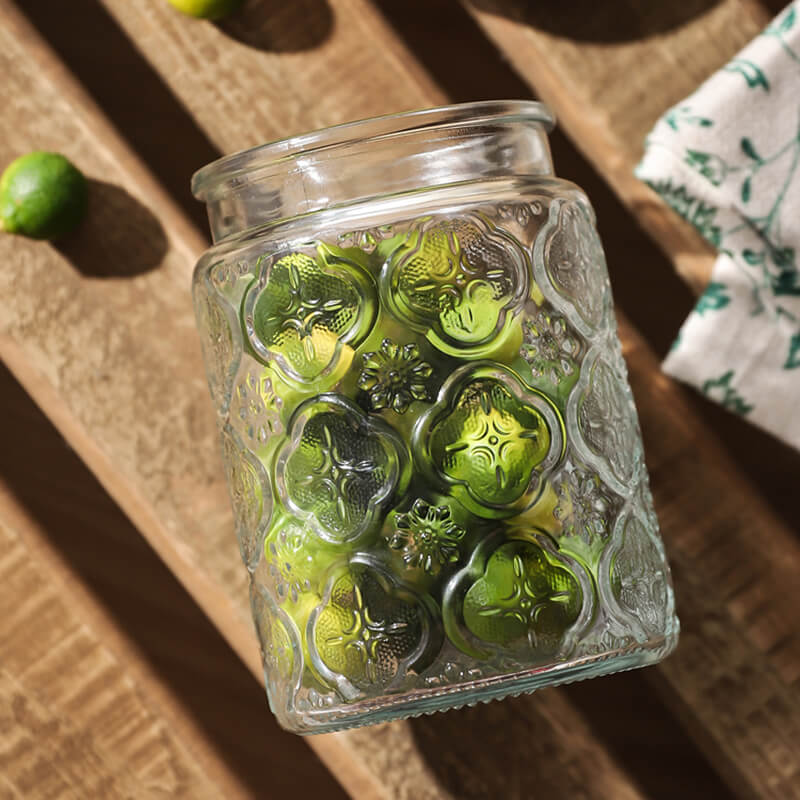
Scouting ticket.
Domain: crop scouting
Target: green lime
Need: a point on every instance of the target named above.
(522, 597)
(206, 9)
(42, 195)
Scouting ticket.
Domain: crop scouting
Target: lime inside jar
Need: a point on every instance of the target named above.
(432, 449)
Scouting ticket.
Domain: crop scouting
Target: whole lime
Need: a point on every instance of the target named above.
(42, 196)
(206, 9)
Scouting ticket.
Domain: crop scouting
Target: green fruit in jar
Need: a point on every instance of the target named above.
(42, 196)
(206, 9)
(522, 598)
(370, 630)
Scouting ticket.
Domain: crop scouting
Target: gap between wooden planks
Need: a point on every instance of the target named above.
(114, 363)
(607, 95)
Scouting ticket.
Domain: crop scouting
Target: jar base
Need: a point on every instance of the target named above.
(429, 701)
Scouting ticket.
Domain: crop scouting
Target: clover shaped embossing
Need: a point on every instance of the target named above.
(518, 593)
(602, 411)
(370, 630)
(306, 314)
(638, 576)
(340, 468)
(459, 281)
(296, 559)
(490, 439)
(251, 496)
(569, 250)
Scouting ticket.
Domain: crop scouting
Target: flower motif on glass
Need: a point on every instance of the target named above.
(394, 376)
(523, 599)
(428, 537)
(569, 249)
(296, 559)
(585, 507)
(303, 312)
(340, 468)
(606, 418)
(369, 632)
(220, 340)
(255, 407)
(638, 578)
(459, 281)
(490, 439)
(550, 347)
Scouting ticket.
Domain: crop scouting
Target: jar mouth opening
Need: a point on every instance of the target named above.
(223, 172)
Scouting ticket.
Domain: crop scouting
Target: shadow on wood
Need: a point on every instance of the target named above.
(119, 238)
(279, 26)
(130, 92)
(109, 557)
(623, 20)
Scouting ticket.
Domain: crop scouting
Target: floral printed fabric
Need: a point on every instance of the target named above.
(727, 159)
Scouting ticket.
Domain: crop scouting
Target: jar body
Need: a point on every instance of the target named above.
(433, 453)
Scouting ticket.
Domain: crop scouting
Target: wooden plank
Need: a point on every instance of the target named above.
(82, 541)
(80, 718)
(246, 95)
(610, 71)
(125, 387)
(690, 474)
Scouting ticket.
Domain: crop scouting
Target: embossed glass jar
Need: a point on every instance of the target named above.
(432, 450)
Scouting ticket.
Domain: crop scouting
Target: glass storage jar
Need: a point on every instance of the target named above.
(432, 449)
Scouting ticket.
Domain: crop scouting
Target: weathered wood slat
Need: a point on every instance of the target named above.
(78, 717)
(610, 71)
(114, 362)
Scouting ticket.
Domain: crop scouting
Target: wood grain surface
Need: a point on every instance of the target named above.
(110, 581)
(79, 717)
(733, 680)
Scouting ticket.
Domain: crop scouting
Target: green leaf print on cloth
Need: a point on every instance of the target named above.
(793, 359)
(727, 159)
(712, 299)
(751, 72)
(720, 389)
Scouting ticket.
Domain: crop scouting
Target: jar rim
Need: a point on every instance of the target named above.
(458, 115)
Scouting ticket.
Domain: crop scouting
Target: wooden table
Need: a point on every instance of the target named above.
(112, 680)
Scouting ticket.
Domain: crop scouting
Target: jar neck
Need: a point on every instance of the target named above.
(377, 158)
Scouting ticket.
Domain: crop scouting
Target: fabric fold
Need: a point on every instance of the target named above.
(727, 159)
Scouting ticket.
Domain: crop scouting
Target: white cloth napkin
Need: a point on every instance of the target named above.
(728, 160)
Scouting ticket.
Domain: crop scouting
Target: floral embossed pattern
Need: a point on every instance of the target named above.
(394, 376)
(221, 351)
(638, 577)
(303, 311)
(458, 280)
(428, 536)
(435, 463)
(519, 596)
(585, 505)
(575, 263)
(339, 468)
(370, 628)
(607, 421)
(491, 440)
(251, 496)
(550, 347)
(255, 407)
